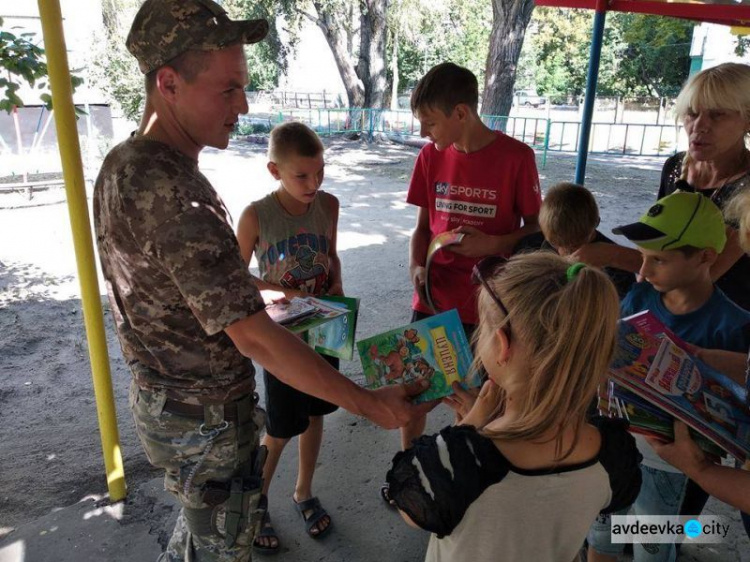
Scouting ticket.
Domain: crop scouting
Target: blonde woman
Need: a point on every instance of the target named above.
(524, 475)
(714, 108)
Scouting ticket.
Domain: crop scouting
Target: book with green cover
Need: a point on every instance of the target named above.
(336, 338)
(435, 348)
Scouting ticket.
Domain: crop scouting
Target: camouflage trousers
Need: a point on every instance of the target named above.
(212, 470)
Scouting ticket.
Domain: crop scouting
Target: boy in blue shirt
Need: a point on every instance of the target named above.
(679, 239)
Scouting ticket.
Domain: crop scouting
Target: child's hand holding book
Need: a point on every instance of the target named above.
(487, 406)
(682, 453)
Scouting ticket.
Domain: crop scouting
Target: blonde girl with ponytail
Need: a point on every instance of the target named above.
(525, 474)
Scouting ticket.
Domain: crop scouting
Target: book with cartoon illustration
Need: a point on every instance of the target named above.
(435, 348)
(336, 338)
(438, 243)
(663, 374)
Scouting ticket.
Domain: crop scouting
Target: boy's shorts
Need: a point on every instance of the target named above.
(288, 410)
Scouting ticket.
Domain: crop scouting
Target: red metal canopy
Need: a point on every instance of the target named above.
(728, 12)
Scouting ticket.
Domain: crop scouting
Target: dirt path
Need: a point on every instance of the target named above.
(50, 452)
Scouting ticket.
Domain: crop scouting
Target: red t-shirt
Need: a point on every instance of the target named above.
(490, 189)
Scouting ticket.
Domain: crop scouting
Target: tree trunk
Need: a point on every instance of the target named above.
(371, 66)
(509, 21)
(365, 84)
(335, 37)
(394, 71)
(109, 18)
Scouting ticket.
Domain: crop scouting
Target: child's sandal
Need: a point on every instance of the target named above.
(315, 514)
(385, 495)
(266, 531)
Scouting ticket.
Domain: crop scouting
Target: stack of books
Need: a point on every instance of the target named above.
(327, 322)
(655, 379)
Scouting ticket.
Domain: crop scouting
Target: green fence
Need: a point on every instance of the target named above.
(542, 134)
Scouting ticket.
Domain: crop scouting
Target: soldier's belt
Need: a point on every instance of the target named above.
(198, 411)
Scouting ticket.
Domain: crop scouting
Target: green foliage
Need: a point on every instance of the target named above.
(266, 60)
(641, 55)
(743, 45)
(23, 61)
(249, 128)
(113, 69)
(656, 57)
(561, 40)
(444, 30)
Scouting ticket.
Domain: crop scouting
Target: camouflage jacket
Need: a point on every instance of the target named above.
(174, 274)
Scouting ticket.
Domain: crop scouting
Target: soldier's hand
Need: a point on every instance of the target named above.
(392, 406)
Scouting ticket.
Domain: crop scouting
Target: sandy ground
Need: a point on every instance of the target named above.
(50, 453)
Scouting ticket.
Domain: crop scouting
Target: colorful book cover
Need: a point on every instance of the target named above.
(336, 338)
(287, 312)
(435, 348)
(667, 376)
(324, 312)
(647, 419)
(645, 321)
(303, 313)
(440, 241)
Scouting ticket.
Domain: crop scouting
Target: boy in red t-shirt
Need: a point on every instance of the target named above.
(469, 179)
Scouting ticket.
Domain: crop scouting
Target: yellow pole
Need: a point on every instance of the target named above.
(70, 154)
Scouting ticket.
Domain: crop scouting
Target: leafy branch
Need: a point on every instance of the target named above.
(21, 60)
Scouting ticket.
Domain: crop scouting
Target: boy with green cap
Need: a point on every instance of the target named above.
(679, 239)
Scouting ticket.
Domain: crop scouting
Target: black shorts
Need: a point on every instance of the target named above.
(288, 410)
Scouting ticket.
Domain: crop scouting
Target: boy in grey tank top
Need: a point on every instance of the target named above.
(292, 233)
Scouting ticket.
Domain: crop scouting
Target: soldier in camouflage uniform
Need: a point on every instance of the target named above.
(188, 314)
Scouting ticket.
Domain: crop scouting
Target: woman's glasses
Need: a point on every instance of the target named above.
(486, 269)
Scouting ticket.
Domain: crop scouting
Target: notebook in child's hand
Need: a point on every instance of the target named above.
(336, 338)
(435, 348)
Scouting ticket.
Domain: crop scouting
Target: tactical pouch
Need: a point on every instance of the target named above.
(234, 511)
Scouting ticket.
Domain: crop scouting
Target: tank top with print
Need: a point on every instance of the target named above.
(292, 251)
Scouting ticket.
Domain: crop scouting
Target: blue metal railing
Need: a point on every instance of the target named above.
(542, 134)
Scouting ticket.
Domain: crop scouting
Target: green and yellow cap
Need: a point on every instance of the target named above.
(677, 220)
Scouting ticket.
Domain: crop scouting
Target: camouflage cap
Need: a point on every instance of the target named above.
(164, 29)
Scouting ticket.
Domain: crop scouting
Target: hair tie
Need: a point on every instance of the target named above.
(573, 270)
